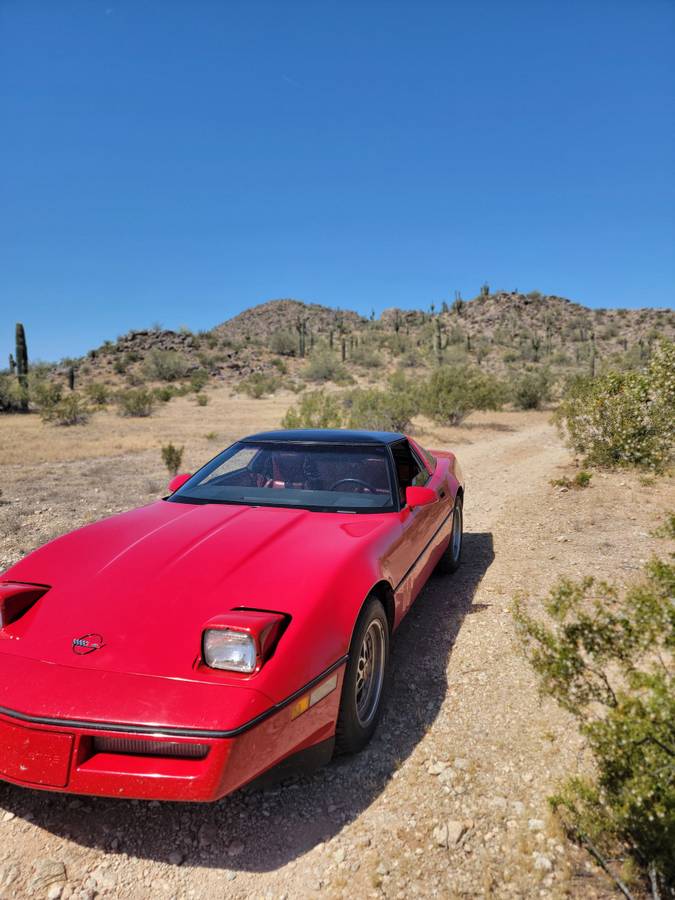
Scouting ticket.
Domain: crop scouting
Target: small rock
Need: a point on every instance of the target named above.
(542, 863)
(54, 892)
(47, 872)
(518, 807)
(8, 816)
(461, 763)
(455, 832)
(339, 855)
(535, 824)
(437, 767)
(176, 858)
(448, 834)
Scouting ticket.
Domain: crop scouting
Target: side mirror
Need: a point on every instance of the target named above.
(419, 496)
(178, 481)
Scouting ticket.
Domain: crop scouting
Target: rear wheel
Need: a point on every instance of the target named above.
(364, 681)
(452, 556)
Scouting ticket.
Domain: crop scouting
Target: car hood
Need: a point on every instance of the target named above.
(148, 580)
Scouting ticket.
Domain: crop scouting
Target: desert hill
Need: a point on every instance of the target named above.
(502, 332)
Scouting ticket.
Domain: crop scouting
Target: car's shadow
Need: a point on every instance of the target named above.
(261, 830)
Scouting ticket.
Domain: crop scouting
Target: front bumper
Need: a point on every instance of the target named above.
(83, 760)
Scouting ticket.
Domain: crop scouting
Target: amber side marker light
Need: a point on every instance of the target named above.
(308, 700)
(16, 599)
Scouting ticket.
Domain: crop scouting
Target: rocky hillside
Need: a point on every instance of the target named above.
(501, 332)
(260, 323)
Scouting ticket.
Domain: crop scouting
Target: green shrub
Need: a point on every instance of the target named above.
(366, 357)
(202, 400)
(284, 343)
(315, 409)
(624, 418)
(198, 379)
(324, 366)
(172, 457)
(454, 392)
(69, 410)
(531, 390)
(46, 395)
(166, 392)
(258, 384)
(13, 396)
(166, 365)
(581, 480)
(135, 402)
(606, 656)
(98, 393)
(376, 410)
(279, 365)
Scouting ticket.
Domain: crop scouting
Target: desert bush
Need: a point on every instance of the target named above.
(391, 409)
(166, 365)
(258, 384)
(323, 366)
(172, 458)
(582, 479)
(624, 418)
(315, 409)
(202, 399)
(198, 379)
(284, 343)
(531, 390)
(69, 410)
(380, 410)
(166, 392)
(366, 357)
(606, 656)
(453, 392)
(45, 395)
(9, 401)
(279, 365)
(98, 393)
(137, 402)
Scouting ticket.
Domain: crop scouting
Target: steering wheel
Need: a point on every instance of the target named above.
(363, 484)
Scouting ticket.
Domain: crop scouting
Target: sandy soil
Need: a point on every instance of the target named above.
(466, 746)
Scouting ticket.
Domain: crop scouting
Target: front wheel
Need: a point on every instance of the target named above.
(452, 556)
(364, 681)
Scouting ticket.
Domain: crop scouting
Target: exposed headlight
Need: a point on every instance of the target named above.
(233, 650)
(242, 639)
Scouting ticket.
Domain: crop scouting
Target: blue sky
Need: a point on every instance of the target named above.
(177, 162)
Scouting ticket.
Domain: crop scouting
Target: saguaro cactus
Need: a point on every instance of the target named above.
(71, 378)
(301, 328)
(12, 364)
(22, 364)
(438, 342)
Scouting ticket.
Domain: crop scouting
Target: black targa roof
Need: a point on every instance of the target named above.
(325, 436)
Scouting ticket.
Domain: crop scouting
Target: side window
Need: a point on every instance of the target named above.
(409, 470)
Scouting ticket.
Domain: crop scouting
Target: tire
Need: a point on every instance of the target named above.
(452, 556)
(361, 701)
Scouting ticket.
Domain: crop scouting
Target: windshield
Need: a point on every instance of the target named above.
(326, 477)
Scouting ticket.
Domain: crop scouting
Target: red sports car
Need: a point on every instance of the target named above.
(181, 650)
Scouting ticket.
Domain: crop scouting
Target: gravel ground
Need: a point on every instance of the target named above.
(449, 800)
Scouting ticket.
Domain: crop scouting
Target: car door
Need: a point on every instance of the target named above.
(408, 558)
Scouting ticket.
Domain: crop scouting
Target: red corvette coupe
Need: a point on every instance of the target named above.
(181, 650)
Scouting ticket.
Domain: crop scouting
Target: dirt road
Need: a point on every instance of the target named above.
(450, 798)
